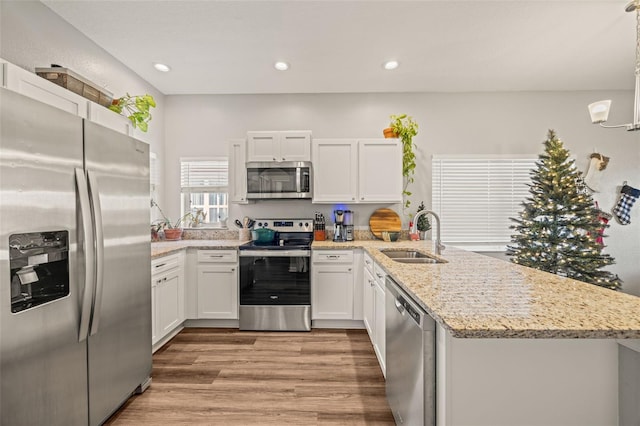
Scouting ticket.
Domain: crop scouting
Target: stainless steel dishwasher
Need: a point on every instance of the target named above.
(410, 341)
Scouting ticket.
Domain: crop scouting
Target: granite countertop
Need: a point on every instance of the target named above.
(479, 296)
(163, 248)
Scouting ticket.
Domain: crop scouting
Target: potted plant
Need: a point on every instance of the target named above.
(137, 109)
(172, 231)
(423, 224)
(403, 127)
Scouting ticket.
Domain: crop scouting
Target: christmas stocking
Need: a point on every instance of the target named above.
(603, 217)
(597, 164)
(622, 210)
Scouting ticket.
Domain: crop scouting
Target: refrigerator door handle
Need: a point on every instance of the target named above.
(89, 253)
(94, 192)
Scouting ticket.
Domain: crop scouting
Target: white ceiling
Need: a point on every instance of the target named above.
(229, 47)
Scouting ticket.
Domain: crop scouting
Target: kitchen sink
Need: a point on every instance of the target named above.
(411, 256)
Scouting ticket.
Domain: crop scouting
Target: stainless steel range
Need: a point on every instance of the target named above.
(275, 285)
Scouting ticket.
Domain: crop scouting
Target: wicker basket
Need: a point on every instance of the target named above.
(77, 84)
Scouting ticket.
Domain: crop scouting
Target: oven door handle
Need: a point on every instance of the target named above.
(275, 253)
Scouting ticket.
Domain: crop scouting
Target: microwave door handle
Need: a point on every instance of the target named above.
(298, 179)
(97, 217)
(89, 254)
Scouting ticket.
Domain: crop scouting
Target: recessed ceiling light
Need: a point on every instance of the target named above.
(162, 67)
(281, 66)
(390, 65)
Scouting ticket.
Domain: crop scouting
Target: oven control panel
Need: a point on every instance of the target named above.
(286, 225)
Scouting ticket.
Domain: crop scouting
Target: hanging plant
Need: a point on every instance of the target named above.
(135, 108)
(405, 129)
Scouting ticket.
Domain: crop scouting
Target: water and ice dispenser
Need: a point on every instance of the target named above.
(39, 263)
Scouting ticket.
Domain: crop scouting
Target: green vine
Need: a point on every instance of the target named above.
(137, 109)
(404, 126)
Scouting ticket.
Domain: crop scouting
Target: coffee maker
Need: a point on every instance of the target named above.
(339, 231)
(348, 225)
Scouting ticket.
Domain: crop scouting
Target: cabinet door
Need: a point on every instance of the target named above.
(107, 118)
(379, 171)
(154, 311)
(218, 291)
(335, 165)
(238, 171)
(36, 87)
(369, 303)
(295, 145)
(379, 327)
(263, 146)
(169, 299)
(332, 292)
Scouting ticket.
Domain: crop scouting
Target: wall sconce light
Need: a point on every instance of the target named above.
(599, 111)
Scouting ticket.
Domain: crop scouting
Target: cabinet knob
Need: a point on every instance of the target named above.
(362, 198)
(233, 269)
(275, 159)
(353, 199)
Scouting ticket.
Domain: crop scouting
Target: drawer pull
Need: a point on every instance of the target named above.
(333, 256)
(160, 265)
(378, 275)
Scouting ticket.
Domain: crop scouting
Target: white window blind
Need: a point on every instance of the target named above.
(204, 185)
(475, 197)
(211, 175)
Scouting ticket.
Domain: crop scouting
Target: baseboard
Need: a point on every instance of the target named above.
(357, 324)
(160, 343)
(212, 323)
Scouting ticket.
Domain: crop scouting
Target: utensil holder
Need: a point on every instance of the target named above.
(244, 234)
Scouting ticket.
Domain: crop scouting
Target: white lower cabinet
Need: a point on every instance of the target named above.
(167, 295)
(217, 284)
(332, 285)
(374, 307)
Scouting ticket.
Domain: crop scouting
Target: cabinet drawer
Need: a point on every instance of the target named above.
(164, 264)
(217, 256)
(332, 256)
(379, 274)
(368, 262)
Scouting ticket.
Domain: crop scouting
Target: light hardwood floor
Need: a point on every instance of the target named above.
(230, 377)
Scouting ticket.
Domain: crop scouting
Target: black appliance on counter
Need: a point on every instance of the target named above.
(275, 279)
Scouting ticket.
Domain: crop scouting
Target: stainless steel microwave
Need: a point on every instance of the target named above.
(286, 179)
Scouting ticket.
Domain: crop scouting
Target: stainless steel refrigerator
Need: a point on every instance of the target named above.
(75, 284)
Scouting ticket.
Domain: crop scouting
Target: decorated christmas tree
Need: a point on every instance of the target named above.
(558, 228)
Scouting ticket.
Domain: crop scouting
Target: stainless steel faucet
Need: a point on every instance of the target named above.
(439, 246)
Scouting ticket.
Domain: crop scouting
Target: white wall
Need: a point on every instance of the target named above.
(31, 36)
(450, 123)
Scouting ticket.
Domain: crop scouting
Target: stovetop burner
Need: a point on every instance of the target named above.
(291, 234)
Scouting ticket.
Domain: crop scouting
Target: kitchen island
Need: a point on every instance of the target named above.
(515, 345)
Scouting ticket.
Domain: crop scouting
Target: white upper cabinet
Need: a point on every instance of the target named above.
(31, 85)
(290, 145)
(379, 171)
(107, 118)
(357, 171)
(335, 165)
(238, 171)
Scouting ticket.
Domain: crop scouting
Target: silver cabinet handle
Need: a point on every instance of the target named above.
(97, 221)
(89, 254)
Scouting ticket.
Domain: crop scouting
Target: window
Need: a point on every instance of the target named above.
(475, 197)
(204, 186)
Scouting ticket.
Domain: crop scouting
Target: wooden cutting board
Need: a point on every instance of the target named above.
(384, 220)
